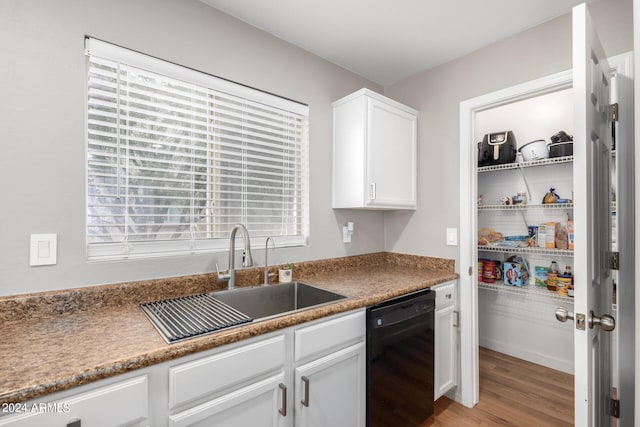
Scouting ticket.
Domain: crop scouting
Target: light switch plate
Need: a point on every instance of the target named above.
(44, 249)
(452, 236)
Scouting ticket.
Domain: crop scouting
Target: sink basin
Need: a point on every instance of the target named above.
(266, 301)
(181, 318)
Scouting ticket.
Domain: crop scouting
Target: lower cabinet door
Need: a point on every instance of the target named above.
(118, 404)
(330, 391)
(445, 350)
(260, 404)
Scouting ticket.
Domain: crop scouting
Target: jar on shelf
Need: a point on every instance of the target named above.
(562, 284)
(568, 272)
(552, 276)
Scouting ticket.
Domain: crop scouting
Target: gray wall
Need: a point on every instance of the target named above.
(437, 93)
(42, 95)
(42, 172)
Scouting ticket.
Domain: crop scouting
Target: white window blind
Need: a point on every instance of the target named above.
(176, 158)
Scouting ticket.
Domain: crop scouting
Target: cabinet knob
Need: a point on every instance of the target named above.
(448, 296)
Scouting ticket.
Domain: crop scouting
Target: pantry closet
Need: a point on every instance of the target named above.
(516, 305)
(521, 320)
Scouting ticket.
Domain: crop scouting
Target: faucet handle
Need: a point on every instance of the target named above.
(222, 277)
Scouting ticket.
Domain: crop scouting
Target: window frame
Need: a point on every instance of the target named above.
(126, 249)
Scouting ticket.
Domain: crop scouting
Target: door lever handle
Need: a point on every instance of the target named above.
(562, 314)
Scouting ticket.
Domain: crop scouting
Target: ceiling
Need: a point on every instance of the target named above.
(389, 40)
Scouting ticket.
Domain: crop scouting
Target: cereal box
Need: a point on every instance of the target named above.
(541, 275)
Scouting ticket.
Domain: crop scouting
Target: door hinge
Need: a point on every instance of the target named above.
(470, 271)
(614, 261)
(615, 408)
(612, 112)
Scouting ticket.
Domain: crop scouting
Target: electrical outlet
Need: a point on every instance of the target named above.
(346, 235)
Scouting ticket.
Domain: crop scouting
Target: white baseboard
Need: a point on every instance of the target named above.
(528, 355)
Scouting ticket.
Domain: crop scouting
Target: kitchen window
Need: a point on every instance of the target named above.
(176, 158)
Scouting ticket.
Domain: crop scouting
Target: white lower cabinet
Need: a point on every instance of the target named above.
(259, 404)
(446, 338)
(263, 382)
(331, 391)
(122, 403)
(254, 382)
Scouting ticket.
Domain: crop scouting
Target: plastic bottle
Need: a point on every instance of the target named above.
(552, 276)
(570, 290)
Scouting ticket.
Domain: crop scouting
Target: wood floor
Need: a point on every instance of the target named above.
(512, 393)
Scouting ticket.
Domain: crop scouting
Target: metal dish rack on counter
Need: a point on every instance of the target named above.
(180, 318)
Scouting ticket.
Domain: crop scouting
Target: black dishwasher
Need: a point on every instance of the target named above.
(400, 348)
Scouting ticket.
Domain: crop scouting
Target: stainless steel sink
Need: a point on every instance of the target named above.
(186, 317)
(266, 301)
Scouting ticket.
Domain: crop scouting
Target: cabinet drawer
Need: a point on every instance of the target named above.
(121, 403)
(327, 335)
(445, 294)
(218, 372)
(254, 405)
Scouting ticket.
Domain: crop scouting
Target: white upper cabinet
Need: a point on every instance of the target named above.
(374, 152)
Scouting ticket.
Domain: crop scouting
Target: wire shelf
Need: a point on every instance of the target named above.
(527, 250)
(532, 163)
(519, 207)
(532, 291)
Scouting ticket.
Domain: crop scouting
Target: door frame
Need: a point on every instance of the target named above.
(468, 392)
(469, 388)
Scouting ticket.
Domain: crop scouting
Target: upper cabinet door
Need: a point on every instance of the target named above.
(592, 147)
(391, 155)
(374, 153)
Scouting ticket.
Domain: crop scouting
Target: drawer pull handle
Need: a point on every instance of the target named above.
(283, 410)
(305, 401)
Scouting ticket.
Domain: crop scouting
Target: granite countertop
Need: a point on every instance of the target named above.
(53, 341)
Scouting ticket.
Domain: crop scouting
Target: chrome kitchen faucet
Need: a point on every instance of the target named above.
(247, 260)
(266, 259)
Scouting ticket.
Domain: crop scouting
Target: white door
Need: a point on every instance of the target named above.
(592, 223)
(263, 403)
(445, 350)
(391, 161)
(330, 391)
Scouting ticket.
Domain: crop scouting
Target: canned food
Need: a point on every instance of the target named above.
(562, 284)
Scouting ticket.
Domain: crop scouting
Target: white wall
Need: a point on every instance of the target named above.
(42, 95)
(525, 327)
(437, 93)
(530, 119)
